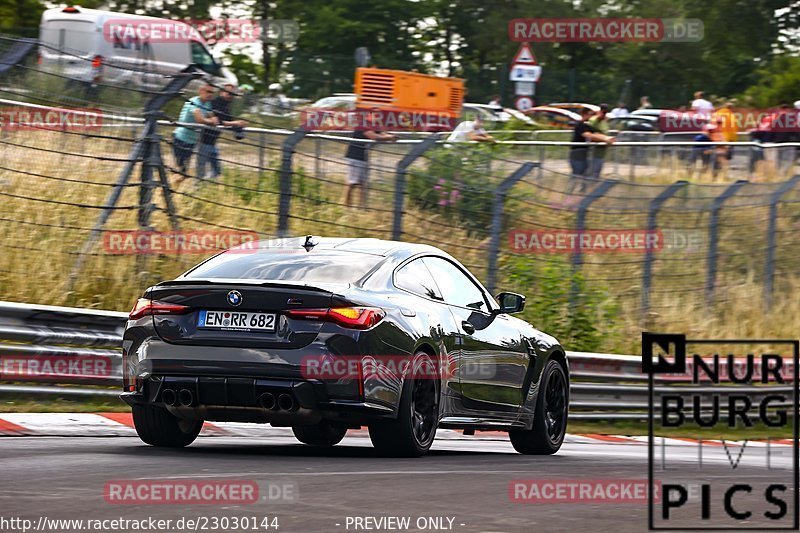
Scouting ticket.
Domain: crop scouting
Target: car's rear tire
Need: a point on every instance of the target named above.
(158, 427)
(411, 434)
(322, 434)
(550, 415)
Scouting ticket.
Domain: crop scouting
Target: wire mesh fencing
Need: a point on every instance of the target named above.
(98, 206)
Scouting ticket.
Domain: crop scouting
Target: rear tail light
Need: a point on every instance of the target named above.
(146, 307)
(97, 61)
(347, 317)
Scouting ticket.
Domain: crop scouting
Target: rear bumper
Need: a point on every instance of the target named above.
(280, 401)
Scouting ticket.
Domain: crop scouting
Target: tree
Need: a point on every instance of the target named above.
(21, 16)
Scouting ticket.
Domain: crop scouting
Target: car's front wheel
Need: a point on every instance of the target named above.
(322, 434)
(550, 415)
(412, 433)
(158, 427)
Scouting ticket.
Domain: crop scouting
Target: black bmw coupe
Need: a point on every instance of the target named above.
(326, 334)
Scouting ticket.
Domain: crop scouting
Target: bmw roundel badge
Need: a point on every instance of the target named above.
(234, 298)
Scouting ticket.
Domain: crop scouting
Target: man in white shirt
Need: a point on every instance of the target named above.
(701, 106)
(619, 112)
(470, 130)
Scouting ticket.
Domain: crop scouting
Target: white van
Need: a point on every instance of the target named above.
(88, 45)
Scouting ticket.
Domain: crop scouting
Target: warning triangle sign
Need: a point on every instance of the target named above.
(524, 56)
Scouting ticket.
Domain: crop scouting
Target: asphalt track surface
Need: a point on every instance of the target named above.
(464, 480)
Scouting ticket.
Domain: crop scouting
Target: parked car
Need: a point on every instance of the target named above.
(575, 107)
(553, 117)
(496, 114)
(634, 123)
(418, 342)
(83, 44)
(470, 111)
(339, 102)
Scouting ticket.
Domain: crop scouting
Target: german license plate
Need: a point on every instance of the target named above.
(236, 320)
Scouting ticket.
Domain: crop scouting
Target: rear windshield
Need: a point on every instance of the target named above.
(308, 267)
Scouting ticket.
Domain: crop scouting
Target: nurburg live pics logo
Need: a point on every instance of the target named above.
(747, 388)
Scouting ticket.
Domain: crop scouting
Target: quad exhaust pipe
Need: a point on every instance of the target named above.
(267, 400)
(169, 397)
(286, 403)
(282, 402)
(185, 397)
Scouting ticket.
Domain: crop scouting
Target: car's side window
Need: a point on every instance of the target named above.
(457, 288)
(415, 277)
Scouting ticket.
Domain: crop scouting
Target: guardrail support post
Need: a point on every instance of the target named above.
(713, 238)
(652, 215)
(285, 186)
(400, 182)
(497, 219)
(769, 267)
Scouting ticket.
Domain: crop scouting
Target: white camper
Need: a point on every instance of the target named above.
(93, 45)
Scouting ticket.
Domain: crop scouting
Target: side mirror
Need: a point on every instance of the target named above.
(511, 302)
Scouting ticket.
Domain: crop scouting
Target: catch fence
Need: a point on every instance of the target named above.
(651, 237)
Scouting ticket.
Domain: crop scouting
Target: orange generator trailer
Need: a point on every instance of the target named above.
(398, 91)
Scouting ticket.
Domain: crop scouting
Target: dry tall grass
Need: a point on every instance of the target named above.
(50, 196)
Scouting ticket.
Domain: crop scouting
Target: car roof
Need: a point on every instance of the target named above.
(370, 246)
(593, 107)
(556, 110)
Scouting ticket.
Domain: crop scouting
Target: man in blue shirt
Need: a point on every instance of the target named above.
(198, 111)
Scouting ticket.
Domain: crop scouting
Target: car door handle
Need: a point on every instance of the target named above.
(468, 328)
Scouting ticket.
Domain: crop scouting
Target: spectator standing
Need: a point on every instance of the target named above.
(583, 133)
(784, 130)
(700, 151)
(725, 120)
(720, 153)
(599, 123)
(701, 106)
(357, 158)
(196, 110)
(619, 112)
(495, 101)
(207, 153)
(644, 103)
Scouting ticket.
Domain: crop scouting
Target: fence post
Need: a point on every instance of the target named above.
(285, 186)
(261, 143)
(713, 237)
(149, 161)
(400, 182)
(652, 215)
(580, 221)
(769, 267)
(497, 219)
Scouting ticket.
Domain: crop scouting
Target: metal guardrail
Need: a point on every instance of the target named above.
(58, 344)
